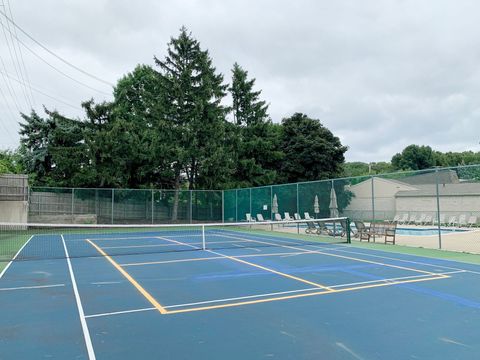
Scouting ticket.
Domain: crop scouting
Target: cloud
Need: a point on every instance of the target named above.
(380, 75)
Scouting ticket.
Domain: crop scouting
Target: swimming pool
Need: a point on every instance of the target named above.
(427, 231)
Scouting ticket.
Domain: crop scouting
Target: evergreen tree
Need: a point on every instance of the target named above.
(256, 142)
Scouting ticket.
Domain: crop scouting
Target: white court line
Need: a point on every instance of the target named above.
(31, 287)
(11, 261)
(380, 281)
(86, 333)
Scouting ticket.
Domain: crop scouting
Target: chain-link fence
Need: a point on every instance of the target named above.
(435, 208)
(123, 206)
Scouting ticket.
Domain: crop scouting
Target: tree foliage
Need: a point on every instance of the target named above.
(312, 152)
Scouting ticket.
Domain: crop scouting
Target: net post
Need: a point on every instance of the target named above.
(203, 238)
(349, 238)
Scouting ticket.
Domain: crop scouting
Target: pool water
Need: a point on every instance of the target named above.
(428, 231)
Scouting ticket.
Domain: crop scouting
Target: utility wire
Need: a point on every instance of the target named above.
(54, 68)
(42, 92)
(9, 86)
(53, 54)
(27, 77)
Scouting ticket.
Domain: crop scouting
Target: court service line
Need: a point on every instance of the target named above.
(216, 258)
(31, 287)
(144, 292)
(255, 265)
(14, 257)
(341, 256)
(258, 301)
(387, 281)
(81, 313)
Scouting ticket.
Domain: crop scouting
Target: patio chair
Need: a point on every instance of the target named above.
(363, 231)
(250, 218)
(311, 228)
(287, 217)
(403, 220)
(296, 216)
(443, 219)
(307, 216)
(472, 221)
(389, 233)
(260, 217)
(420, 220)
(428, 220)
(452, 221)
(396, 218)
(277, 217)
(462, 220)
(411, 219)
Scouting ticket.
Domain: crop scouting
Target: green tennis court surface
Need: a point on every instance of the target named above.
(236, 292)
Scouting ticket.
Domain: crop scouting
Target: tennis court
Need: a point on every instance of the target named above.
(239, 292)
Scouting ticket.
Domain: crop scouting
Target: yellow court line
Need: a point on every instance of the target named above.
(274, 271)
(258, 301)
(144, 292)
(255, 265)
(339, 256)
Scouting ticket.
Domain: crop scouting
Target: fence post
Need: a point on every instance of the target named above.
(191, 206)
(73, 205)
(236, 205)
(298, 202)
(223, 206)
(438, 210)
(153, 205)
(271, 203)
(250, 197)
(373, 205)
(113, 201)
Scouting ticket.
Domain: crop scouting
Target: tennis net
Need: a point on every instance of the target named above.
(50, 241)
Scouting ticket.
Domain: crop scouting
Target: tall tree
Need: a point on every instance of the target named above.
(414, 157)
(256, 144)
(193, 92)
(312, 152)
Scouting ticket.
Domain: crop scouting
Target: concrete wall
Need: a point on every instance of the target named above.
(450, 205)
(14, 211)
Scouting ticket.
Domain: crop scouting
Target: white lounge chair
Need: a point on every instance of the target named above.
(462, 220)
(443, 219)
(288, 217)
(260, 217)
(250, 218)
(412, 219)
(396, 218)
(420, 220)
(472, 221)
(307, 216)
(452, 221)
(403, 220)
(296, 216)
(278, 217)
(428, 220)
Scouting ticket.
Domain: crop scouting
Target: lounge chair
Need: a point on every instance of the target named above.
(452, 221)
(278, 217)
(288, 217)
(260, 218)
(363, 231)
(250, 218)
(443, 219)
(428, 220)
(403, 220)
(311, 228)
(472, 221)
(307, 216)
(296, 216)
(462, 220)
(412, 219)
(396, 218)
(420, 220)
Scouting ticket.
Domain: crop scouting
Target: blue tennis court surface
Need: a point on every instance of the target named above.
(285, 300)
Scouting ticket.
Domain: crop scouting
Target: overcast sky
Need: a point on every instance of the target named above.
(379, 74)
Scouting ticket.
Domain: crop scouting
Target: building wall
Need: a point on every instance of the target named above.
(14, 211)
(360, 206)
(450, 205)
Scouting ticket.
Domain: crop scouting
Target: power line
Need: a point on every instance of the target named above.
(4, 126)
(53, 67)
(42, 92)
(21, 56)
(53, 54)
(9, 86)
